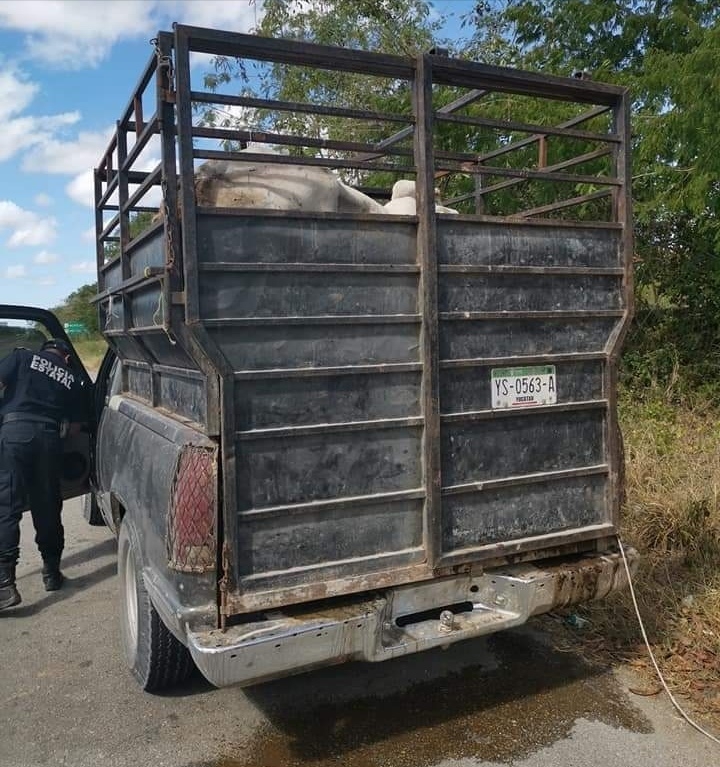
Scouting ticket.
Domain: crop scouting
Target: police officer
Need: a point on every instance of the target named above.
(41, 396)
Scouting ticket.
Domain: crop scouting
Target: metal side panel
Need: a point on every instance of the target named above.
(319, 318)
(327, 482)
(530, 306)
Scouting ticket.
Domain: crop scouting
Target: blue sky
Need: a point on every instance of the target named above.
(67, 68)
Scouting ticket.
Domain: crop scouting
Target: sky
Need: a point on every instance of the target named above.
(67, 69)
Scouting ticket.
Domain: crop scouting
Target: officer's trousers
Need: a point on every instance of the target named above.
(30, 465)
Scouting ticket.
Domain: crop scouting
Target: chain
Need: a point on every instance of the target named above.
(163, 61)
(169, 236)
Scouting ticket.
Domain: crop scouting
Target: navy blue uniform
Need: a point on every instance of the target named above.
(41, 391)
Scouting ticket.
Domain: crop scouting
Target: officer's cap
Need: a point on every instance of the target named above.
(57, 343)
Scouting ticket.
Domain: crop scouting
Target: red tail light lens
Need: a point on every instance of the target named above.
(191, 534)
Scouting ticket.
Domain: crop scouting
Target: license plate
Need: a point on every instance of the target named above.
(523, 387)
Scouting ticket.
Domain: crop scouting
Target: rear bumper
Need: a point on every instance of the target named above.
(393, 624)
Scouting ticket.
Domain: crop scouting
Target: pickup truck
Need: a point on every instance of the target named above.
(330, 426)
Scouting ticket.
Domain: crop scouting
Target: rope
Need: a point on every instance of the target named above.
(677, 706)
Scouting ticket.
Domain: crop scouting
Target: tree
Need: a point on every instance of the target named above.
(77, 307)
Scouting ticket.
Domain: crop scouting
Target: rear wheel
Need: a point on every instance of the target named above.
(155, 657)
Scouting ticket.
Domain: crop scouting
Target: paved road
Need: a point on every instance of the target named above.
(65, 698)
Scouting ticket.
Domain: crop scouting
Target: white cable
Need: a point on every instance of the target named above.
(652, 655)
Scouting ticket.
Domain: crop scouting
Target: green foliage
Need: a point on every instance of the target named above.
(77, 308)
(393, 26)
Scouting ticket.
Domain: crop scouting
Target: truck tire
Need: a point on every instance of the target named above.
(156, 658)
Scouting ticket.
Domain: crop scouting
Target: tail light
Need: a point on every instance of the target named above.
(191, 534)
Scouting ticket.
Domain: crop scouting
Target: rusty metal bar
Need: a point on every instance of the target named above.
(573, 161)
(532, 315)
(574, 178)
(329, 428)
(112, 225)
(247, 266)
(243, 134)
(526, 479)
(570, 203)
(429, 335)
(133, 177)
(201, 97)
(322, 319)
(560, 271)
(123, 217)
(387, 367)
(622, 211)
(490, 415)
(541, 130)
(535, 544)
(532, 359)
(99, 242)
(346, 502)
(211, 154)
(512, 146)
(471, 74)
(187, 172)
(138, 111)
(284, 51)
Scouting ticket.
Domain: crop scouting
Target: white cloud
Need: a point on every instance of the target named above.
(53, 155)
(15, 272)
(74, 33)
(41, 231)
(46, 257)
(17, 93)
(26, 227)
(46, 281)
(88, 235)
(86, 267)
(82, 189)
(43, 200)
(20, 131)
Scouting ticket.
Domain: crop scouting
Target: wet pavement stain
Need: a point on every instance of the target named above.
(529, 700)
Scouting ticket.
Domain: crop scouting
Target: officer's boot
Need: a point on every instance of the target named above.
(51, 575)
(9, 594)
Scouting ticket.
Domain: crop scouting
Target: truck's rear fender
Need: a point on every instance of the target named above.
(164, 475)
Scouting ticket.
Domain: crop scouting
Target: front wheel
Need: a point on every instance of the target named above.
(156, 658)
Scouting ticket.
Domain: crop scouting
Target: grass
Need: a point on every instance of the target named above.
(672, 516)
(91, 351)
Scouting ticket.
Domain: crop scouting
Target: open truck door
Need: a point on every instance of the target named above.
(30, 327)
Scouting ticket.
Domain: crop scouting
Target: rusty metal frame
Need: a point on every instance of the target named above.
(173, 121)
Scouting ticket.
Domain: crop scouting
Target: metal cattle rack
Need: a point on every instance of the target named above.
(567, 249)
